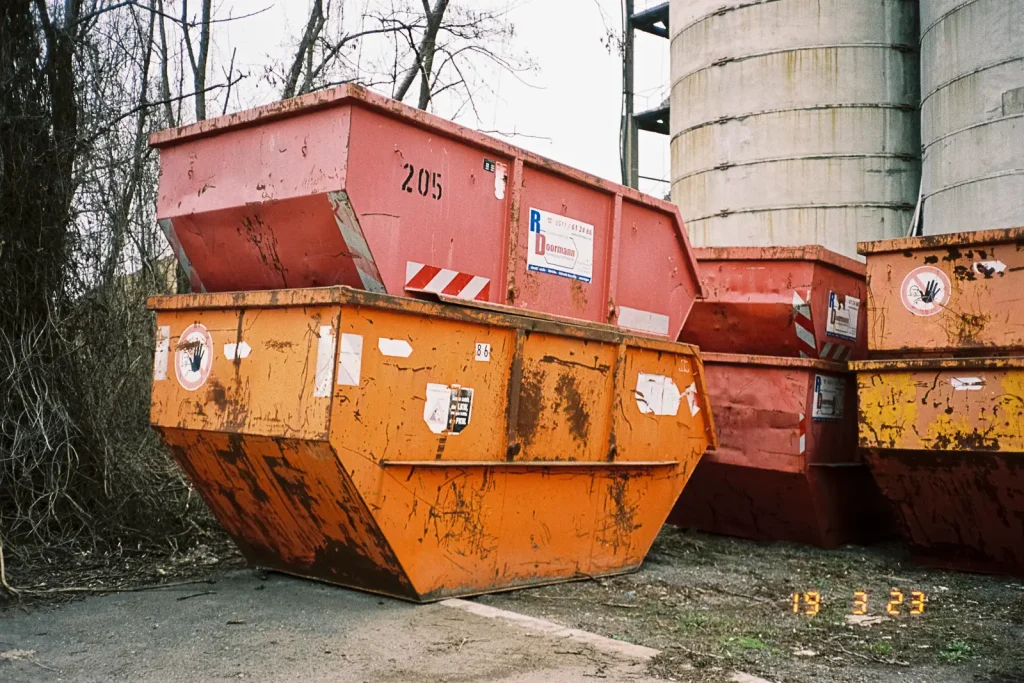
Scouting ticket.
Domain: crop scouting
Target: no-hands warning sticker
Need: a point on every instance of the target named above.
(193, 357)
(925, 291)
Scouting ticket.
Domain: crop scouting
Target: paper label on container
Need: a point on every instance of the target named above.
(350, 360)
(967, 383)
(560, 246)
(448, 409)
(829, 394)
(163, 349)
(843, 315)
(659, 395)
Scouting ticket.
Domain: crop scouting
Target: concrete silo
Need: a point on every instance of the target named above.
(795, 121)
(972, 114)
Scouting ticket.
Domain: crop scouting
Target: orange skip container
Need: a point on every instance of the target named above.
(425, 450)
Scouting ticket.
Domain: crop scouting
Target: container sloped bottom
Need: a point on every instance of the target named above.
(946, 440)
(957, 509)
(787, 466)
(425, 450)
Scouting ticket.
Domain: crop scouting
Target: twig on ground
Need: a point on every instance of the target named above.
(115, 589)
(619, 604)
(878, 660)
(196, 595)
(3, 573)
(694, 653)
(735, 594)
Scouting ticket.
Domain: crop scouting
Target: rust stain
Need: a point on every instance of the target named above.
(573, 405)
(531, 405)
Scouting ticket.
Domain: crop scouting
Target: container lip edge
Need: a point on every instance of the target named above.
(911, 364)
(967, 238)
(774, 361)
(814, 253)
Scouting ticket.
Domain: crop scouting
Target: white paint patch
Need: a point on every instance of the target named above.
(691, 398)
(437, 407)
(397, 348)
(967, 383)
(601, 643)
(238, 350)
(350, 362)
(826, 349)
(657, 394)
(988, 268)
(163, 349)
(643, 321)
(483, 352)
(500, 180)
(325, 349)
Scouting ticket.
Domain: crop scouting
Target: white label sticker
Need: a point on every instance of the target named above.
(324, 361)
(842, 318)
(500, 180)
(163, 349)
(350, 362)
(829, 395)
(560, 246)
(987, 269)
(691, 398)
(967, 383)
(237, 350)
(643, 321)
(657, 394)
(398, 348)
(483, 352)
(448, 409)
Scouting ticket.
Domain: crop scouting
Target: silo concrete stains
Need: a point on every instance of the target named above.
(972, 114)
(795, 121)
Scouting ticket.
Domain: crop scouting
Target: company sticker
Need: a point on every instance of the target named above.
(925, 291)
(829, 394)
(193, 357)
(843, 314)
(560, 246)
(448, 409)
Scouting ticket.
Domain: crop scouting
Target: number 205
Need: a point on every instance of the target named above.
(426, 183)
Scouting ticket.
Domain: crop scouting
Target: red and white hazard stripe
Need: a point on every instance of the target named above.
(835, 351)
(434, 280)
(803, 433)
(803, 327)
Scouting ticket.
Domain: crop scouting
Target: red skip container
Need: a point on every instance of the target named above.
(345, 187)
(803, 302)
(787, 466)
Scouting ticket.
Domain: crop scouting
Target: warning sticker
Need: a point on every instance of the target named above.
(829, 394)
(193, 357)
(925, 291)
(560, 246)
(842, 317)
(448, 409)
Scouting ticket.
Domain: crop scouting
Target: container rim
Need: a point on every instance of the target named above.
(451, 309)
(774, 361)
(811, 252)
(910, 364)
(955, 239)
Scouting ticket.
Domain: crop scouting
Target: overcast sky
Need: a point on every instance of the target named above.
(575, 96)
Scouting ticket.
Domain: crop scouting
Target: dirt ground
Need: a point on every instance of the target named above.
(714, 605)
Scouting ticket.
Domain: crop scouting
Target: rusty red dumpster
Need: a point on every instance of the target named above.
(960, 294)
(345, 187)
(804, 302)
(946, 440)
(425, 450)
(786, 466)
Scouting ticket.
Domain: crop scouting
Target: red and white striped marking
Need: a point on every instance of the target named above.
(803, 433)
(834, 351)
(803, 327)
(434, 280)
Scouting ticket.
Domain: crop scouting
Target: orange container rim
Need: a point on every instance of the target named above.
(910, 364)
(980, 238)
(810, 252)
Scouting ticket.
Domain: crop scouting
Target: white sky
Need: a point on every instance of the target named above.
(576, 93)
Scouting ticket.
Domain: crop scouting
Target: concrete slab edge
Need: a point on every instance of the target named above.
(600, 643)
